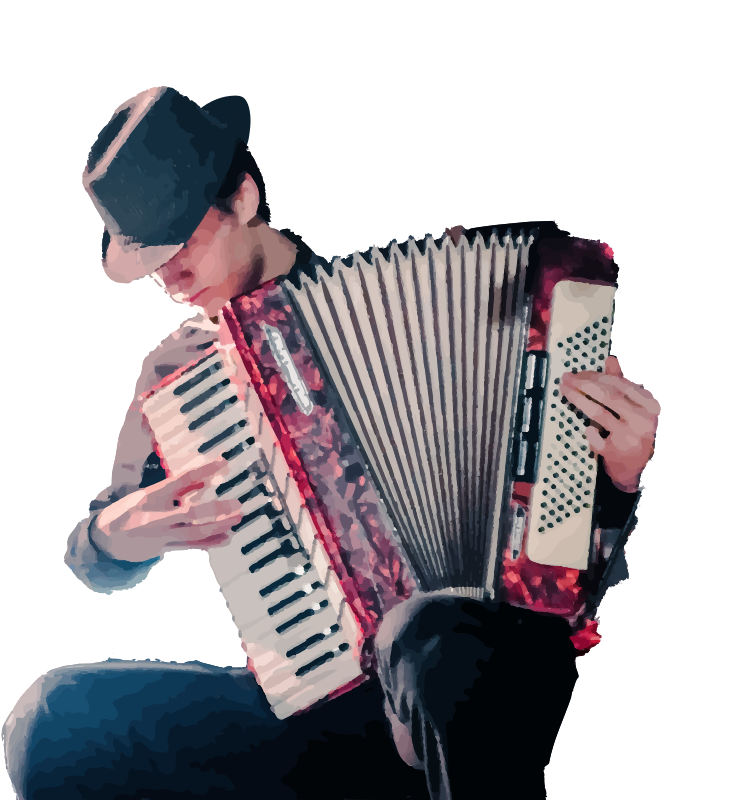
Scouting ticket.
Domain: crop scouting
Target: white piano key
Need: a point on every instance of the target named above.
(336, 673)
(241, 596)
(163, 395)
(278, 469)
(264, 630)
(164, 415)
(296, 565)
(333, 591)
(173, 423)
(264, 656)
(258, 610)
(249, 463)
(256, 627)
(260, 607)
(167, 393)
(286, 599)
(272, 677)
(192, 439)
(228, 562)
(181, 460)
(252, 629)
(177, 429)
(349, 624)
(305, 528)
(320, 561)
(288, 668)
(293, 501)
(185, 448)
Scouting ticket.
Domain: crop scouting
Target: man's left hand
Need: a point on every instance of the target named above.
(623, 419)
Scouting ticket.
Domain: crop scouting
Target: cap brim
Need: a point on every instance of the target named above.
(125, 262)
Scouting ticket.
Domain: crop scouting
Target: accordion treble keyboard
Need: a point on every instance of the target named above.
(296, 626)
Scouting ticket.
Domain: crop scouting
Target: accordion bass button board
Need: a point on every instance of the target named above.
(300, 634)
(561, 504)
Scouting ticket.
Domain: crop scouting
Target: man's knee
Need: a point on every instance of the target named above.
(416, 622)
(18, 728)
(430, 628)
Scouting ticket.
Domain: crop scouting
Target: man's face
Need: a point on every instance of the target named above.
(222, 259)
(199, 274)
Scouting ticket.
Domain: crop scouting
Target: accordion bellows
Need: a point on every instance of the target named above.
(392, 423)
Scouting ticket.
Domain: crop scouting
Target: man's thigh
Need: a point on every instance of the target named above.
(151, 730)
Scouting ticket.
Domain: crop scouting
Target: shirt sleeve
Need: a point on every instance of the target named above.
(615, 517)
(135, 465)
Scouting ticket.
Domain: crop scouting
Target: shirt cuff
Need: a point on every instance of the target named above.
(614, 506)
(97, 570)
(103, 557)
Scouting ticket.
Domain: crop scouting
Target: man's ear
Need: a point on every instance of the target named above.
(246, 200)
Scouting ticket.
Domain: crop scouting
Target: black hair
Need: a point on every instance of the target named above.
(243, 163)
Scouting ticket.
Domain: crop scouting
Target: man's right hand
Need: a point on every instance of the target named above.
(165, 516)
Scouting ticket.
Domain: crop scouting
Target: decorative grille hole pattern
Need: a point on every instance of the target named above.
(569, 466)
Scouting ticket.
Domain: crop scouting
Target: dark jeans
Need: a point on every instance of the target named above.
(475, 695)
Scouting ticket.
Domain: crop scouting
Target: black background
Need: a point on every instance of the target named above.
(343, 168)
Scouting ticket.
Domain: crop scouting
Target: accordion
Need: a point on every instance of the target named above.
(393, 422)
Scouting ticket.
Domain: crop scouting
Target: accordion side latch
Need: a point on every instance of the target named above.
(517, 530)
(529, 417)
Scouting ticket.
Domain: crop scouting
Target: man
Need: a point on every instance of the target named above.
(183, 200)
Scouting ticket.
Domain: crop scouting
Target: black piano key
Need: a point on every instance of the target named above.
(309, 642)
(185, 387)
(232, 483)
(292, 599)
(221, 437)
(320, 661)
(284, 580)
(238, 449)
(277, 532)
(260, 488)
(286, 549)
(205, 345)
(268, 511)
(201, 398)
(301, 617)
(234, 451)
(295, 651)
(213, 413)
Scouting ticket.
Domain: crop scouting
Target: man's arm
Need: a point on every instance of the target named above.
(134, 467)
(622, 431)
(615, 518)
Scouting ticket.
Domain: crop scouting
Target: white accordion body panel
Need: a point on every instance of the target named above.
(561, 507)
(299, 633)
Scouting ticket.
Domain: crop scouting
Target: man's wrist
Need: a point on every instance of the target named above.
(92, 529)
(629, 488)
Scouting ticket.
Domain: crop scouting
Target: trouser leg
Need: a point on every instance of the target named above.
(123, 729)
(476, 693)
(159, 731)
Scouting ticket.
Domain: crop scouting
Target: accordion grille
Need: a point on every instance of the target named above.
(423, 344)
